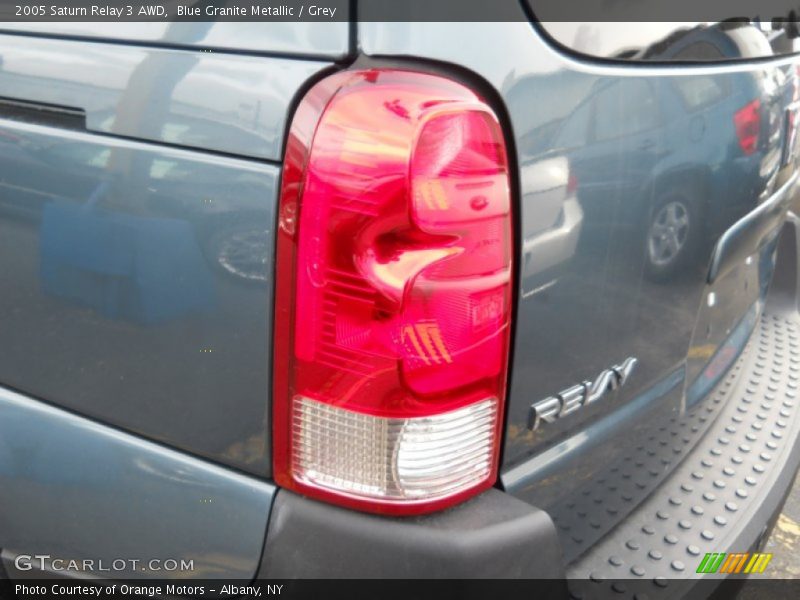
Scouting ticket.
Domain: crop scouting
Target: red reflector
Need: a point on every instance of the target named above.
(393, 296)
(748, 126)
(572, 184)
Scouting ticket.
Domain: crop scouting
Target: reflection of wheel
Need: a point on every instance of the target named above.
(671, 236)
(241, 251)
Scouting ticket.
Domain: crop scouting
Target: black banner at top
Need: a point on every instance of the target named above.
(395, 10)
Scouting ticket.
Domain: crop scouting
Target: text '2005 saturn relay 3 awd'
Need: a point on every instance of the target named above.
(299, 299)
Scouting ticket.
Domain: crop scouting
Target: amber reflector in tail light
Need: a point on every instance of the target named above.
(393, 297)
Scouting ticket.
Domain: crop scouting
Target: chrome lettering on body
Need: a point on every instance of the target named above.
(576, 397)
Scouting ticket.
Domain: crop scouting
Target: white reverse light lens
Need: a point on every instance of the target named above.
(404, 459)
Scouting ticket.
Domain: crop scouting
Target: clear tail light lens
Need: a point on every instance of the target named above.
(393, 296)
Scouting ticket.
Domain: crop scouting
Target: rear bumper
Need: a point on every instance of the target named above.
(493, 536)
(727, 492)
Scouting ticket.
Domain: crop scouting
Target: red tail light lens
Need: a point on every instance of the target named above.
(393, 297)
(748, 126)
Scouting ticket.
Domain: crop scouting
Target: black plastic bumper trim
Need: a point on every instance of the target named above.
(492, 536)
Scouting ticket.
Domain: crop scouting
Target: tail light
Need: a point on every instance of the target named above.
(393, 296)
(748, 126)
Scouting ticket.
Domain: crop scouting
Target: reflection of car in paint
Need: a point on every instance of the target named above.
(230, 239)
(515, 312)
(551, 240)
(678, 135)
(120, 264)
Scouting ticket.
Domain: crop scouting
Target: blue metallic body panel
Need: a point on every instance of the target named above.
(737, 243)
(136, 287)
(73, 489)
(212, 101)
(311, 39)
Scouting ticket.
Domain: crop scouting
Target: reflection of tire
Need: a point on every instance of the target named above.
(241, 251)
(673, 233)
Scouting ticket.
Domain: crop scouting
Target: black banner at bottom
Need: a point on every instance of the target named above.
(358, 589)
